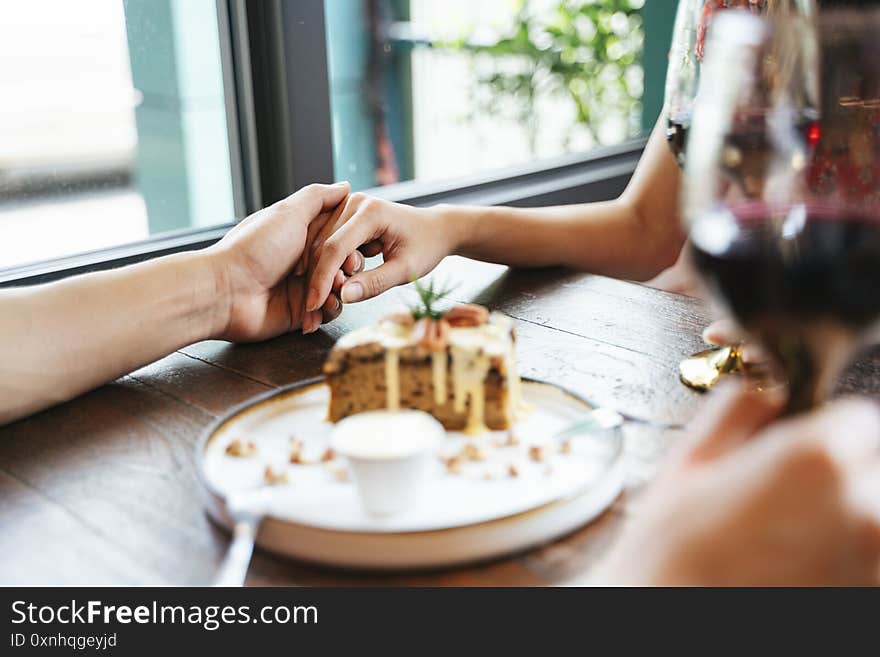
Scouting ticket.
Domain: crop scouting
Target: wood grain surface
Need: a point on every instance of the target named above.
(103, 490)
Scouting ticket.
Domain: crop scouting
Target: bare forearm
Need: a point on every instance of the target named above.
(61, 339)
(605, 238)
(635, 236)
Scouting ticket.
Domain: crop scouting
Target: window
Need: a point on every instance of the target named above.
(113, 126)
(134, 128)
(425, 90)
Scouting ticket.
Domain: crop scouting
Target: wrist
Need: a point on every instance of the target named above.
(456, 226)
(211, 292)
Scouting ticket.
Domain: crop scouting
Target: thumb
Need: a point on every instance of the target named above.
(723, 331)
(369, 284)
(322, 198)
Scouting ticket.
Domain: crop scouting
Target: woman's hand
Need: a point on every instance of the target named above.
(412, 241)
(254, 267)
(796, 502)
(727, 331)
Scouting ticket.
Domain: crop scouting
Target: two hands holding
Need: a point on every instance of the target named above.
(292, 265)
(259, 267)
(327, 232)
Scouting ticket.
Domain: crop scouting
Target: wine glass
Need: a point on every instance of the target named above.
(693, 20)
(782, 192)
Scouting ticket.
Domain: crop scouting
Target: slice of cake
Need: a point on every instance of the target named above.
(458, 365)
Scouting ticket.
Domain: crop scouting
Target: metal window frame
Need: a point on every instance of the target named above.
(281, 138)
(235, 54)
(598, 175)
(291, 94)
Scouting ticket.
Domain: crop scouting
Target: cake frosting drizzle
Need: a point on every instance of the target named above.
(438, 376)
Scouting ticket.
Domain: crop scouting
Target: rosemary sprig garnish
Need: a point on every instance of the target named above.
(429, 296)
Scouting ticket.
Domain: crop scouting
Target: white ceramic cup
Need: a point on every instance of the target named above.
(388, 453)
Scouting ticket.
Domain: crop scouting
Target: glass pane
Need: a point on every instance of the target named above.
(425, 90)
(113, 125)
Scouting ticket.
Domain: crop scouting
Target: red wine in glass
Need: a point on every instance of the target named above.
(796, 277)
(818, 264)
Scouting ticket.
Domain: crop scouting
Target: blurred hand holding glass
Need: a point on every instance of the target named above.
(782, 186)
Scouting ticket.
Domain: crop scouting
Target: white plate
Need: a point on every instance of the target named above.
(481, 513)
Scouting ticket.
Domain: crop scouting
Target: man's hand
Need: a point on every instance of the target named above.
(750, 502)
(69, 336)
(254, 267)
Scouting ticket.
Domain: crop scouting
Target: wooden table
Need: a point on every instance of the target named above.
(103, 490)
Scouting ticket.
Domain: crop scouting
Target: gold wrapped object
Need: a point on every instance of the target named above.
(702, 370)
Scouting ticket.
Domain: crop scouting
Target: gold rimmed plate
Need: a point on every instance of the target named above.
(481, 512)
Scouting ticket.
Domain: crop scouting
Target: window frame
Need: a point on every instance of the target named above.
(280, 136)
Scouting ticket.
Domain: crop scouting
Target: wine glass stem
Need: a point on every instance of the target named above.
(799, 364)
(811, 360)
